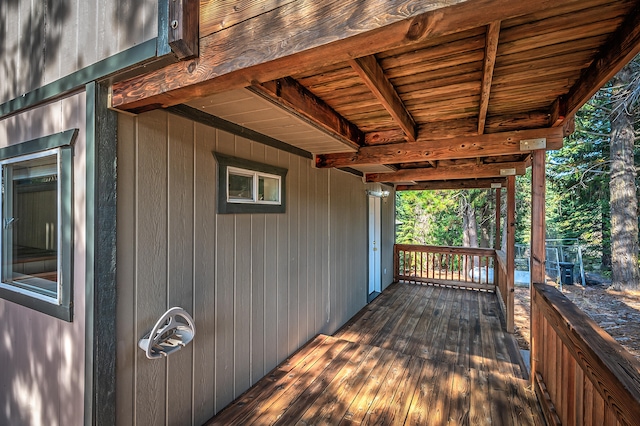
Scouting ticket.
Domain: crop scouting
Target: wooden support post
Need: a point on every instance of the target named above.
(496, 245)
(511, 248)
(538, 233)
(538, 227)
(184, 28)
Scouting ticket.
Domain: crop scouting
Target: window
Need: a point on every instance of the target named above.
(36, 224)
(246, 186)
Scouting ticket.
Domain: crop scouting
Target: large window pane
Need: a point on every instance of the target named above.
(30, 222)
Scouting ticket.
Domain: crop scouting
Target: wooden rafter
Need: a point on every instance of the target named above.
(250, 53)
(490, 52)
(455, 184)
(458, 171)
(290, 94)
(506, 143)
(373, 76)
(621, 48)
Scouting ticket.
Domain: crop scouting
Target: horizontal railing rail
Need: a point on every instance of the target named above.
(582, 376)
(455, 266)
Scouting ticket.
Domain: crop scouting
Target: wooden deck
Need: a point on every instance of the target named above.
(417, 355)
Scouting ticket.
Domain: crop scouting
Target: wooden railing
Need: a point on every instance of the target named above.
(581, 375)
(452, 266)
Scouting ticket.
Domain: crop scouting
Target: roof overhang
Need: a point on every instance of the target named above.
(424, 91)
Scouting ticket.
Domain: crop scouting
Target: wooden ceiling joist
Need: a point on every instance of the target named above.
(294, 97)
(456, 184)
(490, 52)
(451, 172)
(621, 48)
(301, 36)
(373, 76)
(505, 143)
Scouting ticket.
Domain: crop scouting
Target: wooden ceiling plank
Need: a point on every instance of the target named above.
(294, 97)
(373, 76)
(455, 184)
(461, 171)
(490, 52)
(621, 48)
(507, 143)
(441, 129)
(302, 36)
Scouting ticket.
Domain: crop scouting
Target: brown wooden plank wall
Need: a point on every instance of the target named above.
(258, 285)
(42, 358)
(41, 44)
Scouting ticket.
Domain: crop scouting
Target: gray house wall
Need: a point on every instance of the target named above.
(43, 41)
(258, 285)
(42, 358)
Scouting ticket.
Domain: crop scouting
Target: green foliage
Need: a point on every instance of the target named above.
(435, 217)
(428, 217)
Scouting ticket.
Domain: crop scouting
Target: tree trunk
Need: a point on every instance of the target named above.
(469, 233)
(469, 225)
(623, 202)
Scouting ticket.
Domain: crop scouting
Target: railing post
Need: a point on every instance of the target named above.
(396, 263)
(511, 243)
(538, 253)
(496, 245)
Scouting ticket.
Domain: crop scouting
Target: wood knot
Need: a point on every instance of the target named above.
(192, 67)
(420, 25)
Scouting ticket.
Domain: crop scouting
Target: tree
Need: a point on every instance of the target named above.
(623, 198)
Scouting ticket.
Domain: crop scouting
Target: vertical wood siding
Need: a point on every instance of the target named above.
(257, 285)
(46, 40)
(42, 358)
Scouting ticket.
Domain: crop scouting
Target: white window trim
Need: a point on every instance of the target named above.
(16, 287)
(255, 178)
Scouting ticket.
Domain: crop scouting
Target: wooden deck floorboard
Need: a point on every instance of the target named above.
(417, 355)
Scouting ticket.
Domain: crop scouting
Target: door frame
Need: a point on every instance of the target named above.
(374, 234)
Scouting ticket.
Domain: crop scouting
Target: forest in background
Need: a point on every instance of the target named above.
(579, 187)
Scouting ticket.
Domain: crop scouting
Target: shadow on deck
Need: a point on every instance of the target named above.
(416, 355)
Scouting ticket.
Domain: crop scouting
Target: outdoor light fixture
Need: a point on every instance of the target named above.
(379, 194)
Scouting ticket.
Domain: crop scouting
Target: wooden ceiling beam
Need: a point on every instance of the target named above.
(490, 53)
(451, 172)
(294, 97)
(506, 143)
(369, 70)
(621, 48)
(455, 184)
(301, 36)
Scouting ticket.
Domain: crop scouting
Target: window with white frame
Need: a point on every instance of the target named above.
(36, 224)
(246, 186)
